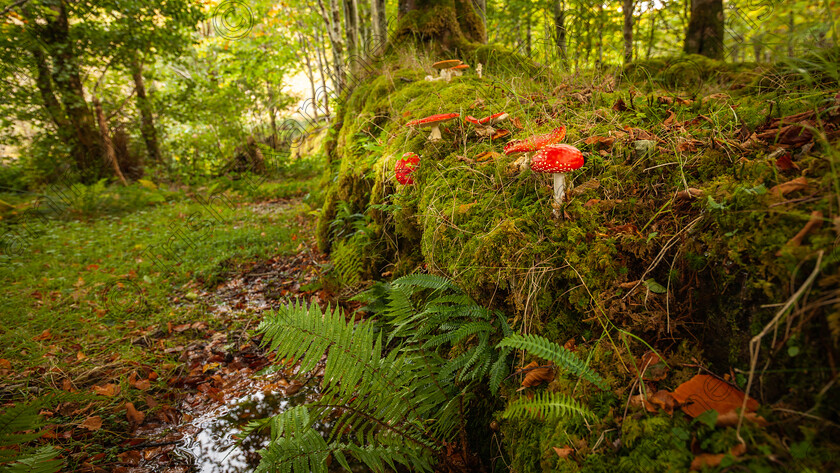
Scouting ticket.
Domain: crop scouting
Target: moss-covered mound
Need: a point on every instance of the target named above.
(678, 237)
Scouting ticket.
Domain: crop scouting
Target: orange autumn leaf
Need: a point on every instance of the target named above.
(800, 183)
(536, 375)
(133, 415)
(45, 335)
(711, 460)
(704, 392)
(109, 390)
(92, 423)
(563, 452)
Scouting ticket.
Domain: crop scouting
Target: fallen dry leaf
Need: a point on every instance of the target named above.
(688, 194)
(45, 335)
(92, 423)
(704, 392)
(814, 223)
(563, 452)
(800, 183)
(672, 117)
(109, 390)
(134, 416)
(784, 163)
(131, 457)
(711, 460)
(537, 375)
(620, 106)
(730, 419)
(664, 400)
(600, 141)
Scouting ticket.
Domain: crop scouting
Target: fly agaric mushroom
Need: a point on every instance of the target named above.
(485, 125)
(557, 160)
(445, 66)
(531, 144)
(434, 122)
(458, 70)
(405, 167)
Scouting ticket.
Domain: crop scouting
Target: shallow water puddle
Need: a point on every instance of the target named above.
(213, 447)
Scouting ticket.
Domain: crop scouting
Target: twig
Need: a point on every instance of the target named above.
(755, 343)
(662, 252)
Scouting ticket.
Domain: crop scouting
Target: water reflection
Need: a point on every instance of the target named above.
(213, 449)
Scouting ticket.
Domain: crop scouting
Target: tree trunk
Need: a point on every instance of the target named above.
(446, 24)
(144, 105)
(627, 32)
(272, 112)
(310, 74)
(351, 30)
(528, 35)
(790, 34)
(705, 29)
(560, 28)
(380, 24)
(651, 37)
(66, 76)
(332, 20)
(322, 65)
(600, 34)
(107, 146)
(481, 9)
(51, 103)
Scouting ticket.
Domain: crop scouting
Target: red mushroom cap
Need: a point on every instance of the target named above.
(461, 66)
(535, 142)
(446, 63)
(434, 119)
(498, 117)
(473, 120)
(557, 159)
(405, 167)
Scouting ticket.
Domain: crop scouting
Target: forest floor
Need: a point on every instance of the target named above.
(146, 370)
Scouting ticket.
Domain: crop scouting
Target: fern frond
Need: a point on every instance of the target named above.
(548, 350)
(13, 422)
(426, 281)
(547, 405)
(499, 370)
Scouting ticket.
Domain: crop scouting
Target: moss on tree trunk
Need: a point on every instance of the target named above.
(448, 24)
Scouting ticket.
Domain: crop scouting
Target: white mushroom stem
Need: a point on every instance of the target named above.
(435, 135)
(478, 70)
(559, 187)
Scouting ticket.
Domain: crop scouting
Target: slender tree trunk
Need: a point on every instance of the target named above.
(147, 121)
(600, 34)
(790, 34)
(107, 145)
(756, 44)
(651, 37)
(272, 112)
(588, 41)
(351, 30)
(528, 34)
(310, 74)
(332, 21)
(705, 29)
(627, 32)
(380, 24)
(560, 28)
(322, 65)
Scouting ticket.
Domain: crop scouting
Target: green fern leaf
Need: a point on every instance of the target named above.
(547, 405)
(553, 352)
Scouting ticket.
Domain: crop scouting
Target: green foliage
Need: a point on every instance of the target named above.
(396, 397)
(547, 405)
(18, 426)
(348, 261)
(431, 313)
(391, 402)
(553, 352)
